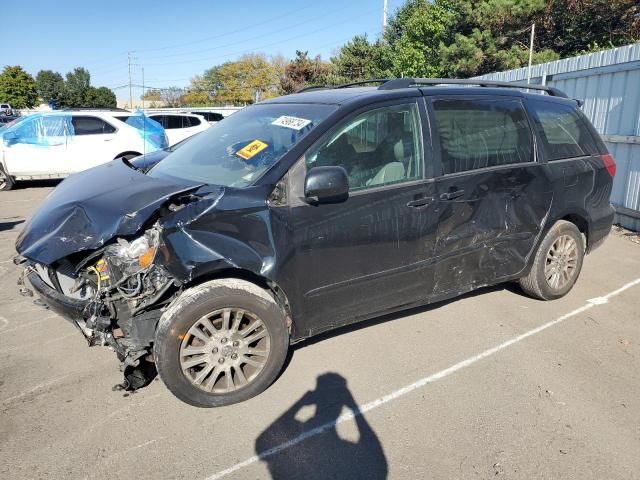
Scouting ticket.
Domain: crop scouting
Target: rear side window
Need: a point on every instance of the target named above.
(90, 126)
(191, 121)
(563, 132)
(176, 121)
(480, 133)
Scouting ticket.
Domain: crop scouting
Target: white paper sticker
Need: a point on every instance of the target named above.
(291, 122)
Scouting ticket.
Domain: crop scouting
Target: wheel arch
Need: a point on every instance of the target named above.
(261, 281)
(582, 223)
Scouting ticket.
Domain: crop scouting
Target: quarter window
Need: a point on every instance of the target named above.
(563, 133)
(478, 133)
(379, 147)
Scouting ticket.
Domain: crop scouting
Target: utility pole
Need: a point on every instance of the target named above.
(384, 16)
(143, 88)
(533, 34)
(129, 67)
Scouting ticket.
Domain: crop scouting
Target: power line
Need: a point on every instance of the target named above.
(261, 36)
(262, 46)
(221, 35)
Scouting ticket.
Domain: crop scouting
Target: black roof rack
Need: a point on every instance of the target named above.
(398, 83)
(365, 82)
(345, 85)
(310, 89)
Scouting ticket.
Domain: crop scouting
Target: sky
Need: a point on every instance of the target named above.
(174, 40)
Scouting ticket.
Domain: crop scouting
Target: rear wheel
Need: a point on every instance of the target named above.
(557, 263)
(6, 182)
(220, 343)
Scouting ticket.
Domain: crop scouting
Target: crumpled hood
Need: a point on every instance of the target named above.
(90, 208)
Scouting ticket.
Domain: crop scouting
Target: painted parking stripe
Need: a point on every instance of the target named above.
(419, 383)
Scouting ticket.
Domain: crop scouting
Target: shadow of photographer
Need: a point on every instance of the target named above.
(323, 453)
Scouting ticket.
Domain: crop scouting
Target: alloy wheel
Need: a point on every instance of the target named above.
(561, 262)
(225, 350)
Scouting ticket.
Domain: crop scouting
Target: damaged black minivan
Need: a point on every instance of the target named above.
(312, 211)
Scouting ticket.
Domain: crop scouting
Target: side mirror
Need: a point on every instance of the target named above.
(326, 185)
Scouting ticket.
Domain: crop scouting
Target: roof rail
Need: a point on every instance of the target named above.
(365, 82)
(417, 82)
(309, 89)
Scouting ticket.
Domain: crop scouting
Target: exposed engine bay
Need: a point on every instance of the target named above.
(119, 293)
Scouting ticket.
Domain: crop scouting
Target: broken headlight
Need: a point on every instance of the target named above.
(125, 259)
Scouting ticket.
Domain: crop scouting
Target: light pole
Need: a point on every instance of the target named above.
(384, 16)
(533, 34)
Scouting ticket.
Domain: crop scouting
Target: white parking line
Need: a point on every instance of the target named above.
(418, 384)
(34, 389)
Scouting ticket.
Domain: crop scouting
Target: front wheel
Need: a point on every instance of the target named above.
(557, 263)
(221, 342)
(6, 182)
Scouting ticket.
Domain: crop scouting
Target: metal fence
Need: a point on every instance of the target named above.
(609, 84)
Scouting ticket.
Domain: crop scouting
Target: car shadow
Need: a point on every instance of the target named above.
(23, 185)
(508, 286)
(9, 224)
(309, 446)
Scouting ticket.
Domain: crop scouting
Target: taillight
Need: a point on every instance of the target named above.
(609, 164)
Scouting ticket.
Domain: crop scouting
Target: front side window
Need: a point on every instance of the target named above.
(376, 148)
(563, 133)
(239, 150)
(42, 130)
(480, 133)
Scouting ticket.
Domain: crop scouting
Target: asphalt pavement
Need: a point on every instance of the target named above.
(490, 385)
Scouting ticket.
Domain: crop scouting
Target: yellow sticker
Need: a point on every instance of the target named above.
(251, 149)
(102, 269)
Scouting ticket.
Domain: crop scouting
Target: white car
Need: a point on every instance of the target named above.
(57, 144)
(180, 125)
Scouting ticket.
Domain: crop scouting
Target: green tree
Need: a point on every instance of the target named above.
(17, 87)
(461, 38)
(100, 97)
(76, 88)
(50, 85)
(239, 82)
(303, 71)
(360, 59)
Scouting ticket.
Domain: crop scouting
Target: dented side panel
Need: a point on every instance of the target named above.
(489, 233)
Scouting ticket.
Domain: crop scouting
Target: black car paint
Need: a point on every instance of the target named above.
(381, 250)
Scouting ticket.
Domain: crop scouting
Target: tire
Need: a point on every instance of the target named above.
(536, 283)
(186, 316)
(6, 182)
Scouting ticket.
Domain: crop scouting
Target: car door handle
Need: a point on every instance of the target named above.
(451, 195)
(420, 202)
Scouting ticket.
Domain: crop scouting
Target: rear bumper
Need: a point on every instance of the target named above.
(600, 227)
(70, 309)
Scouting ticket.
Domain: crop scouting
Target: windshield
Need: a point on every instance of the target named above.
(236, 152)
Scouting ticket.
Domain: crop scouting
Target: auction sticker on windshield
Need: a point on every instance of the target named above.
(291, 122)
(252, 149)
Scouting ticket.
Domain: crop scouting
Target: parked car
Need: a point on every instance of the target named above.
(311, 211)
(57, 144)
(180, 125)
(6, 119)
(211, 117)
(5, 109)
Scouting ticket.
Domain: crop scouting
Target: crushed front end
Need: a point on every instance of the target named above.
(114, 296)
